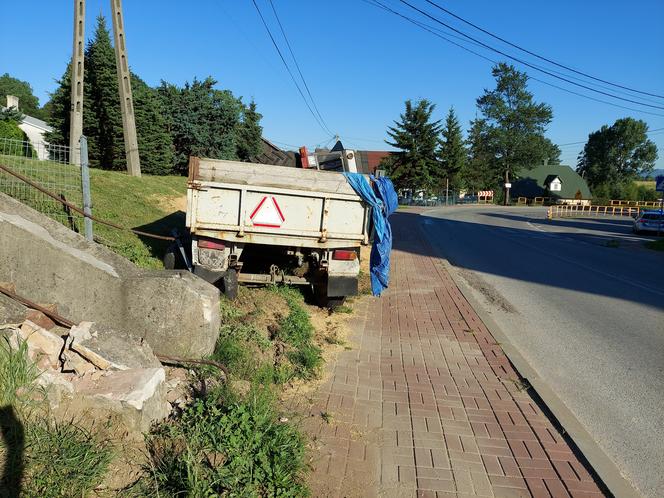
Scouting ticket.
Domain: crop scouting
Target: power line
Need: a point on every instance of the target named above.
(423, 26)
(525, 63)
(536, 55)
(288, 68)
(290, 49)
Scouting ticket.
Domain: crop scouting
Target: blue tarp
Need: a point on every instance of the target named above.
(383, 200)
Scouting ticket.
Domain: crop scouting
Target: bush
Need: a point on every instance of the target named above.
(10, 130)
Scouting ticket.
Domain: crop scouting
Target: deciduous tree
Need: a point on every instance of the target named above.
(27, 102)
(515, 122)
(615, 155)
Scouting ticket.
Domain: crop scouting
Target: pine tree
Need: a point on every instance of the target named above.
(452, 151)
(102, 116)
(477, 172)
(154, 142)
(201, 120)
(249, 133)
(416, 136)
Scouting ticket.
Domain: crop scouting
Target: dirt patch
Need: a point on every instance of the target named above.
(171, 203)
(487, 290)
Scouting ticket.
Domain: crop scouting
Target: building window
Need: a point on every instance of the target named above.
(555, 186)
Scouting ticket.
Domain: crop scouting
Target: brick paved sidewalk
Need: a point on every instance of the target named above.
(427, 404)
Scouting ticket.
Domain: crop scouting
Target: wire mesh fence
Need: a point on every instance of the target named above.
(48, 165)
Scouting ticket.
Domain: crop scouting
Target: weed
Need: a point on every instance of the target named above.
(612, 243)
(224, 445)
(333, 339)
(326, 416)
(63, 459)
(17, 373)
(343, 309)
(296, 330)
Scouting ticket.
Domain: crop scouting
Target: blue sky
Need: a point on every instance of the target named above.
(360, 62)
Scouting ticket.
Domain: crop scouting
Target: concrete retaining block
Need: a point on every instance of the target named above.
(175, 312)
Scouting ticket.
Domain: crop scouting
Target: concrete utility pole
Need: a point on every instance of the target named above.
(77, 75)
(124, 88)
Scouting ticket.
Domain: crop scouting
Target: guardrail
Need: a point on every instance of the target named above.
(571, 211)
(618, 202)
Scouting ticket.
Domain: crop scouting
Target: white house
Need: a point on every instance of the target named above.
(34, 128)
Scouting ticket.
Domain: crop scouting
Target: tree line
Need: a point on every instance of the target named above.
(172, 122)
(507, 138)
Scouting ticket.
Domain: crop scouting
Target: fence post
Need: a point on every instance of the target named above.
(85, 183)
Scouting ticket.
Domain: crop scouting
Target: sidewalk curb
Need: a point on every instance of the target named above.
(604, 467)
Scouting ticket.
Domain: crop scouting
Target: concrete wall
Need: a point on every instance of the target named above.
(176, 312)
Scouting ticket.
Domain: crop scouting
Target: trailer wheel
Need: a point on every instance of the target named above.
(229, 285)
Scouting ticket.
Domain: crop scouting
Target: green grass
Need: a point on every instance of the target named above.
(656, 245)
(17, 373)
(63, 459)
(136, 202)
(296, 330)
(45, 458)
(224, 445)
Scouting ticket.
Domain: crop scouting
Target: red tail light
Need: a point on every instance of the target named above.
(211, 244)
(344, 255)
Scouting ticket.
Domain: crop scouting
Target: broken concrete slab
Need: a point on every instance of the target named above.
(40, 319)
(176, 312)
(44, 347)
(136, 396)
(108, 349)
(11, 311)
(74, 362)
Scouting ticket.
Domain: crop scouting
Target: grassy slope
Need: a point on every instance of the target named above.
(146, 203)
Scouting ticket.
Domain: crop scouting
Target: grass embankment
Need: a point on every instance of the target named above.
(152, 203)
(233, 439)
(42, 457)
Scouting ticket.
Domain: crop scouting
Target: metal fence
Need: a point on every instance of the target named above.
(48, 165)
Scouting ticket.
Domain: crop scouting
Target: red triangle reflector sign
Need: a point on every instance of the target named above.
(267, 213)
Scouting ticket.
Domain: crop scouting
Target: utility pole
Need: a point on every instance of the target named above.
(124, 88)
(76, 78)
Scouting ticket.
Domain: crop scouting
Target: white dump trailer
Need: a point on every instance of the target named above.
(259, 223)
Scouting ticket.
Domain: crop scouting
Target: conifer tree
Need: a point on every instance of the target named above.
(416, 136)
(249, 133)
(452, 151)
(477, 172)
(102, 116)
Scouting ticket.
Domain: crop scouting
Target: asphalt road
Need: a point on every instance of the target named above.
(583, 302)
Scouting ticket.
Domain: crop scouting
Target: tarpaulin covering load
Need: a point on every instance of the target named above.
(383, 200)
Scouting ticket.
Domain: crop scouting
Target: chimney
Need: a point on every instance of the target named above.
(546, 161)
(12, 101)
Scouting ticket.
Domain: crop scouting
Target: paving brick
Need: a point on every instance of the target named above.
(426, 404)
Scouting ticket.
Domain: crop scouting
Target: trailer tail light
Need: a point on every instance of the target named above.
(211, 244)
(344, 255)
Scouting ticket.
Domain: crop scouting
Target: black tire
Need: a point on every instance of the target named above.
(229, 284)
